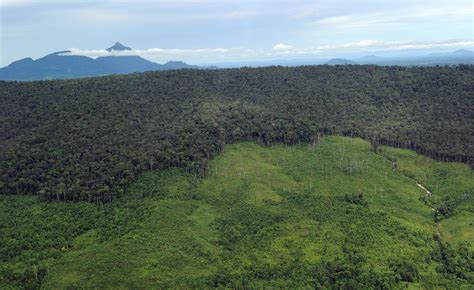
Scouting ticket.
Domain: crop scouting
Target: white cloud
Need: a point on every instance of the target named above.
(375, 45)
(162, 54)
(209, 55)
(12, 3)
(402, 15)
(282, 47)
(30, 3)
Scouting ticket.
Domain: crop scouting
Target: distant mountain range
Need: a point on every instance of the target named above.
(60, 65)
(462, 56)
(63, 65)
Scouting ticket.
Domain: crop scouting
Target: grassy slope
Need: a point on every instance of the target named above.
(452, 185)
(264, 216)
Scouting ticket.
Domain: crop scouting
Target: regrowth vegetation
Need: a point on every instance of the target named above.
(332, 214)
(88, 139)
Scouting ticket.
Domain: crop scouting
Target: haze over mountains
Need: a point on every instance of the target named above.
(65, 65)
(461, 56)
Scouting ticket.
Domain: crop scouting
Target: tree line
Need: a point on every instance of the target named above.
(85, 139)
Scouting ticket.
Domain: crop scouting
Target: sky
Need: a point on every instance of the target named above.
(211, 31)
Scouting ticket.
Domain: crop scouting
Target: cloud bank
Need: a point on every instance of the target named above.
(197, 30)
(279, 50)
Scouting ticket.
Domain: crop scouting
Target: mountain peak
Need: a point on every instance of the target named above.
(463, 51)
(339, 61)
(118, 47)
(371, 56)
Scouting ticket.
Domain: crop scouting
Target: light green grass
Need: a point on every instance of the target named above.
(452, 185)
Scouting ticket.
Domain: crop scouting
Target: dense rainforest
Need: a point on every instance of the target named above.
(86, 139)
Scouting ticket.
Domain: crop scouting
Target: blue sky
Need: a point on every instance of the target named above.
(221, 31)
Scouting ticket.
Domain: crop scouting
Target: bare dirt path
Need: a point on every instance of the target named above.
(428, 193)
(422, 187)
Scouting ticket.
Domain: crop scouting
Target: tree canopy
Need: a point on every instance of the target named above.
(84, 139)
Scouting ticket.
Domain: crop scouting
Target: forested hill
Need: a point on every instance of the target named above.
(87, 138)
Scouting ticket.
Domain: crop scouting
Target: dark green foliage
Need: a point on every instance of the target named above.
(34, 234)
(357, 199)
(443, 211)
(406, 271)
(456, 261)
(85, 139)
(246, 226)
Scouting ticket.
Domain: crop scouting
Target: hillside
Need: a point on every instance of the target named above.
(335, 214)
(87, 139)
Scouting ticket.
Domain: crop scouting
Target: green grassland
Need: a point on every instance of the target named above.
(452, 187)
(331, 215)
